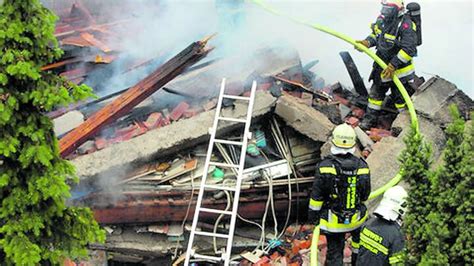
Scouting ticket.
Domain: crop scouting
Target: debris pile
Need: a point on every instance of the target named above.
(140, 150)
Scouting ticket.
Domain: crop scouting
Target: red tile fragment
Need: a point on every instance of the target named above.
(179, 110)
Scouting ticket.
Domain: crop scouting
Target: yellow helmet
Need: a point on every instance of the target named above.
(344, 136)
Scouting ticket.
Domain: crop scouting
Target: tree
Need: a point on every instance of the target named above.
(440, 222)
(416, 161)
(36, 226)
(452, 219)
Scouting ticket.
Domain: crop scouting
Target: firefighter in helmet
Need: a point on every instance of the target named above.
(340, 187)
(394, 37)
(381, 239)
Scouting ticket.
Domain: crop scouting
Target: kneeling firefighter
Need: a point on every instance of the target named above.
(381, 239)
(340, 187)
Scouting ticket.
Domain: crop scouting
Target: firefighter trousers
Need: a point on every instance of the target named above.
(379, 89)
(336, 243)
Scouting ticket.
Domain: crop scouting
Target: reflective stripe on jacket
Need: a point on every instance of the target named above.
(381, 243)
(396, 44)
(340, 209)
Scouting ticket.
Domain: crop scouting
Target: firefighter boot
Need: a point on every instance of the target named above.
(370, 119)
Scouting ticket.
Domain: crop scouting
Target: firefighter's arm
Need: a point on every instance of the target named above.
(396, 251)
(372, 38)
(316, 200)
(407, 43)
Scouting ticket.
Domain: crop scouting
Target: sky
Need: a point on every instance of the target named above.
(447, 28)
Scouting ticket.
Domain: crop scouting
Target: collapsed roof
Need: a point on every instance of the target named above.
(140, 172)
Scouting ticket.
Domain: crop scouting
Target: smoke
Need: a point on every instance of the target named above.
(159, 29)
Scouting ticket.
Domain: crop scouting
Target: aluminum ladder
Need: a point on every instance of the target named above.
(225, 256)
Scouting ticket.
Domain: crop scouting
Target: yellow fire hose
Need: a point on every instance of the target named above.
(380, 62)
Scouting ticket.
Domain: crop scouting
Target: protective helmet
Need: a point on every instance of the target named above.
(391, 9)
(393, 203)
(396, 3)
(344, 136)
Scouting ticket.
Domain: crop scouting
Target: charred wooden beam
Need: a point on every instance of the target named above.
(133, 96)
(161, 209)
(351, 67)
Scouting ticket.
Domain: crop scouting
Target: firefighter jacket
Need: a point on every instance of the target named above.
(395, 43)
(381, 243)
(340, 187)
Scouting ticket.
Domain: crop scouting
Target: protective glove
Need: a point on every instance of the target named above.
(388, 72)
(313, 217)
(363, 42)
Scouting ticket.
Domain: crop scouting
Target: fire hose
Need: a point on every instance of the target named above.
(396, 80)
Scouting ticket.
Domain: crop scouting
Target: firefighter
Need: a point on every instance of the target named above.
(395, 39)
(340, 187)
(381, 240)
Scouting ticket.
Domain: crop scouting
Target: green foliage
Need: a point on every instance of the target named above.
(416, 160)
(440, 220)
(452, 220)
(36, 226)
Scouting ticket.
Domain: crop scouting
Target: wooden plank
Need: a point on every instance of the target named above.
(132, 97)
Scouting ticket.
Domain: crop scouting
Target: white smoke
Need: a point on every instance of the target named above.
(166, 27)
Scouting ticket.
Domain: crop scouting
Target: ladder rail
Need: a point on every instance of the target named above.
(204, 175)
(238, 169)
(235, 203)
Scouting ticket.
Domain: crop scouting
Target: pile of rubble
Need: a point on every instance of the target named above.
(140, 168)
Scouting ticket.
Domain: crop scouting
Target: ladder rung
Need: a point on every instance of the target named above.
(223, 141)
(201, 233)
(226, 165)
(232, 119)
(235, 97)
(220, 188)
(215, 211)
(205, 257)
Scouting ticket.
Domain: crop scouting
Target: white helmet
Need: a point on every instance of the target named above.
(393, 203)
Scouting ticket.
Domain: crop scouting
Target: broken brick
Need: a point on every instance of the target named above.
(191, 112)
(210, 104)
(358, 112)
(101, 143)
(264, 86)
(275, 256)
(179, 110)
(353, 121)
(376, 134)
(263, 261)
(154, 120)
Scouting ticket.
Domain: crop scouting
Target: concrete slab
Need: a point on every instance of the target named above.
(383, 161)
(434, 98)
(67, 122)
(185, 133)
(304, 119)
